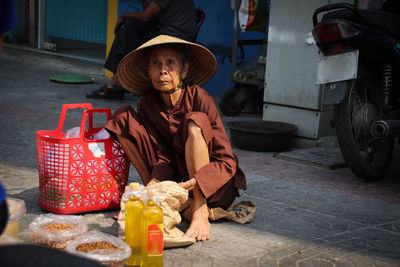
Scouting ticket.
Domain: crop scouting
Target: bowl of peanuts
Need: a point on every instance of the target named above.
(101, 247)
(56, 231)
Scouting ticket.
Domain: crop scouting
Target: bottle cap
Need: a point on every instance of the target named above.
(134, 186)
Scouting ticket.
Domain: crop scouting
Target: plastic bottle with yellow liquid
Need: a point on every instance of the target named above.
(152, 232)
(133, 224)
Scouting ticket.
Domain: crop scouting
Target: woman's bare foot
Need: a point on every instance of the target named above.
(199, 226)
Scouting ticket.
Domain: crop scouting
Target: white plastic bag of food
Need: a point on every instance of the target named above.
(56, 231)
(101, 247)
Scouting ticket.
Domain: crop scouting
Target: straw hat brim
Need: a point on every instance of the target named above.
(132, 70)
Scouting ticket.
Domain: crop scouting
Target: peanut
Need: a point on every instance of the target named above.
(95, 245)
(57, 226)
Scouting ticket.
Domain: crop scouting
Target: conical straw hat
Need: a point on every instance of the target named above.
(132, 70)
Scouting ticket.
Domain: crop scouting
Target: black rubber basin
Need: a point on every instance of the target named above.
(263, 136)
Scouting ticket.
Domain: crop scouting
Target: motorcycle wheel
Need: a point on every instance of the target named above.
(233, 100)
(366, 156)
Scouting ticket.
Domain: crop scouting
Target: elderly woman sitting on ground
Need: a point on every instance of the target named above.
(177, 133)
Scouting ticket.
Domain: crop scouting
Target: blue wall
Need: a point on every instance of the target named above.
(77, 20)
(216, 34)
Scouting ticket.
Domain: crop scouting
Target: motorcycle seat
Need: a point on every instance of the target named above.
(387, 21)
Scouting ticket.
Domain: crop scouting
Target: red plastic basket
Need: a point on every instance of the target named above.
(80, 174)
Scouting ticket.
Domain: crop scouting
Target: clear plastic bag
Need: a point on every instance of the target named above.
(101, 247)
(129, 191)
(101, 135)
(16, 209)
(72, 133)
(57, 230)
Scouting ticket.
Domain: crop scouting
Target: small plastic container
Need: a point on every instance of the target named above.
(16, 210)
(104, 248)
(56, 231)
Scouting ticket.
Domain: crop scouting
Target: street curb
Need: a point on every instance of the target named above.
(54, 60)
(324, 157)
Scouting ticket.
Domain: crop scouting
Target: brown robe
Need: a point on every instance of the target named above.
(160, 134)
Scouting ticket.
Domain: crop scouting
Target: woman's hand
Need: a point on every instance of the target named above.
(120, 22)
(190, 184)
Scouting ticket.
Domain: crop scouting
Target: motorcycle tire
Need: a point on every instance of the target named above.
(365, 155)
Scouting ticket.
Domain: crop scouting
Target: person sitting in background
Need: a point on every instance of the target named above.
(177, 133)
(172, 17)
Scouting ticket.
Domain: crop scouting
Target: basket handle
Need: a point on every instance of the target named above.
(90, 113)
(64, 110)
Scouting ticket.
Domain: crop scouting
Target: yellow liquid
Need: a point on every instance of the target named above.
(133, 227)
(152, 235)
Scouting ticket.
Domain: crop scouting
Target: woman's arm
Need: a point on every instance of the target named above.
(190, 184)
(149, 12)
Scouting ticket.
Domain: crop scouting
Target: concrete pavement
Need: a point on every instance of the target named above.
(307, 215)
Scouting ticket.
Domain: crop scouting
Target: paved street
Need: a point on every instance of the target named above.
(307, 215)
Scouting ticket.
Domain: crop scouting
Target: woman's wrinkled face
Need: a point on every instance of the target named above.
(166, 70)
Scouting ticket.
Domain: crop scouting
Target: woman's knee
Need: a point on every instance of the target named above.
(121, 120)
(197, 124)
(132, 25)
(123, 110)
(122, 113)
(194, 130)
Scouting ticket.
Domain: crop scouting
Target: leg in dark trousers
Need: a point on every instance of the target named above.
(131, 35)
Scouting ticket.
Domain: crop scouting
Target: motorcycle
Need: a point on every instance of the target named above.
(359, 73)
